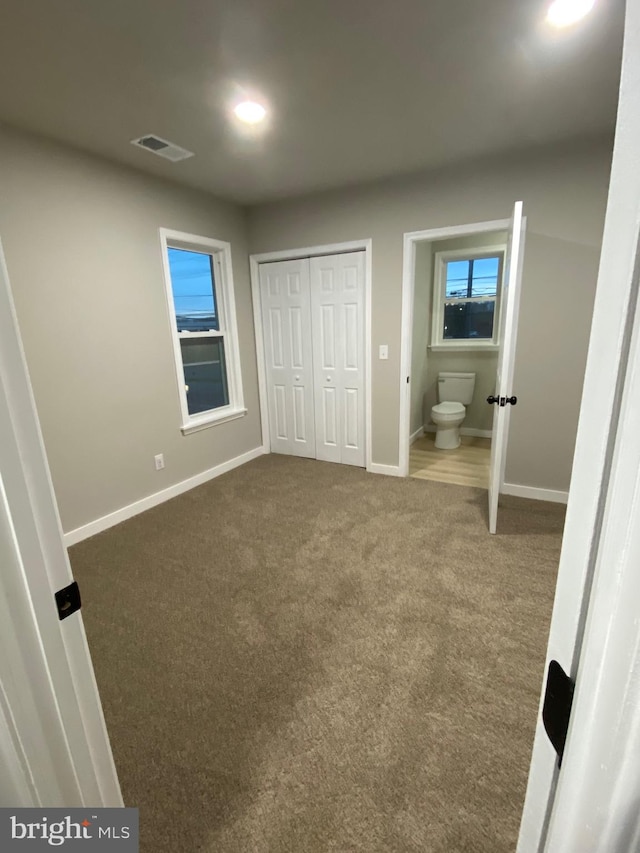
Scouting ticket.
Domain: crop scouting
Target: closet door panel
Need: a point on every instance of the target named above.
(286, 312)
(337, 313)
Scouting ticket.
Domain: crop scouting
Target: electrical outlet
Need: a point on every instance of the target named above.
(159, 460)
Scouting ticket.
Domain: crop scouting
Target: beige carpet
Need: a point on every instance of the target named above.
(302, 657)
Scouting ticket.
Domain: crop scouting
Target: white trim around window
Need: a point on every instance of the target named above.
(438, 342)
(227, 331)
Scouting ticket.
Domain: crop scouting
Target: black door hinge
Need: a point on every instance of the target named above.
(556, 708)
(68, 600)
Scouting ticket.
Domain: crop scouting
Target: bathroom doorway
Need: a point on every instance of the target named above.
(454, 358)
(464, 288)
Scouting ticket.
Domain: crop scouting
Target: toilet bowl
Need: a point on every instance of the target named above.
(455, 392)
(448, 418)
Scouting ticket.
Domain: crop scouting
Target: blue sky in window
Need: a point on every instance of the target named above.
(193, 290)
(484, 281)
(457, 278)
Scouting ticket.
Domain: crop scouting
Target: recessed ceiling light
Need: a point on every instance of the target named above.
(250, 112)
(563, 13)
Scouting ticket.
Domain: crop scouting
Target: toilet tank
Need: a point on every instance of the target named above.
(456, 387)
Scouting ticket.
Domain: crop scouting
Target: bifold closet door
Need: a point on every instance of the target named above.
(286, 314)
(337, 314)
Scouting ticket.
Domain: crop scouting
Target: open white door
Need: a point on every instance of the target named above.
(54, 747)
(510, 301)
(591, 803)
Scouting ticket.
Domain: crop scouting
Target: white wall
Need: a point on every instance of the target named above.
(83, 253)
(82, 249)
(564, 191)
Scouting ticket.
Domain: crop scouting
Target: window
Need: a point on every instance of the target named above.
(199, 284)
(466, 298)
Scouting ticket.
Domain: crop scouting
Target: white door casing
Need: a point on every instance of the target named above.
(603, 742)
(337, 312)
(410, 240)
(286, 312)
(595, 806)
(510, 303)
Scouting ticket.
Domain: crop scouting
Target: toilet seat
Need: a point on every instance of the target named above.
(448, 409)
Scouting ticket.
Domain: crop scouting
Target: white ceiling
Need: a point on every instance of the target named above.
(359, 89)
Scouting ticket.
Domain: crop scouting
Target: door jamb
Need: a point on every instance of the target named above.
(311, 252)
(598, 562)
(410, 238)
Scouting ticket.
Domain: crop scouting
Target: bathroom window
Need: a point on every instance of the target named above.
(466, 302)
(200, 298)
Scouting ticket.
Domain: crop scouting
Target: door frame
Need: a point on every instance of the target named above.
(52, 725)
(410, 239)
(508, 343)
(255, 260)
(594, 632)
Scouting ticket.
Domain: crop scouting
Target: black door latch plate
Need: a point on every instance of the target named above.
(68, 600)
(556, 708)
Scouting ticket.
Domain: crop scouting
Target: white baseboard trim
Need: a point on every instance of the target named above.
(113, 518)
(478, 433)
(416, 435)
(534, 493)
(389, 470)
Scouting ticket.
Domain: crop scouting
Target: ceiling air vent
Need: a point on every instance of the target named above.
(162, 147)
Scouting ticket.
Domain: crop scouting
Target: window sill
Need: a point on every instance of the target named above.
(196, 424)
(458, 347)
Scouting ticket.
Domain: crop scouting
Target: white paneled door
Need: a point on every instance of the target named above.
(337, 312)
(314, 341)
(286, 316)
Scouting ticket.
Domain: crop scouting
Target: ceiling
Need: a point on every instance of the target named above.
(357, 89)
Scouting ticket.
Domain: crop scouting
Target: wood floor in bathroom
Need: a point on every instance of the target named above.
(468, 465)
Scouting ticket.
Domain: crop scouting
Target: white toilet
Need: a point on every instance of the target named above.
(455, 391)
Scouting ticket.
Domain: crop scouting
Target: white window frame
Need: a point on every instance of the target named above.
(438, 342)
(228, 327)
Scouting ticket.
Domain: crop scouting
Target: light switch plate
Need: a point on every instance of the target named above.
(383, 351)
